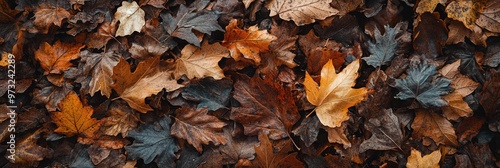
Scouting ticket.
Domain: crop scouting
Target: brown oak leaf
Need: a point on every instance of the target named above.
(302, 12)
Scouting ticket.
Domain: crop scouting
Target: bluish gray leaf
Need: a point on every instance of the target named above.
(153, 142)
(188, 19)
(385, 46)
(210, 93)
(422, 84)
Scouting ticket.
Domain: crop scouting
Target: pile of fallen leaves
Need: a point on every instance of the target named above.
(252, 83)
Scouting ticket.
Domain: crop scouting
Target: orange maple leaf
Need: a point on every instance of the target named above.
(55, 59)
(75, 118)
(246, 43)
(335, 94)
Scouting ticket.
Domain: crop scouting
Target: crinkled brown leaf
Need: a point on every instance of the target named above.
(75, 118)
(302, 12)
(267, 158)
(198, 127)
(264, 106)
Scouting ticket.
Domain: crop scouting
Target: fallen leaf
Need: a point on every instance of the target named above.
(50, 95)
(8, 14)
(237, 148)
(264, 106)
(120, 119)
(46, 15)
(386, 46)
(100, 65)
(189, 19)
(337, 135)
(465, 11)
(301, 12)
(56, 58)
(346, 6)
(99, 39)
(197, 127)
(415, 160)
(422, 84)
(267, 158)
(428, 5)
(247, 43)
(131, 18)
(319, 52)
(430, 35)
(145, 47)
(208, 92)
(335, 94)
(75, 118)
(386, 132)
(490, 100)
(28, 153)
(146, 80)
(308, 130)
(462, 86)
(489, 18)
(201, 62)
(492, 57)
(152, 142)
(434, 126)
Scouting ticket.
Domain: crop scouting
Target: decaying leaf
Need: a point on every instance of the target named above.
(422, 84)
(198, 127)
(131, 18)
(246, 43)
(121, 119)
(415, 160)
(101, 67)
(335, 93)
(28, 153)
(201, 62)
(46, 15)
(386, 133)
(265, 106)
(434, 126)
(462, 86)
(75, 118)
(266, 157)
(302, 12)
(430, 35)
(146, 80)
(56, 58)
(428, 5)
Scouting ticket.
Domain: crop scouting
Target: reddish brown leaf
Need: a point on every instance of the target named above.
(434, 126)
(265, 106)
(56, 58)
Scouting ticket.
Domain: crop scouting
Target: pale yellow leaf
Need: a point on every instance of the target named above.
(131, 18)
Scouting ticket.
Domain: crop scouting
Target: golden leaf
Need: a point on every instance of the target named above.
(335, 94)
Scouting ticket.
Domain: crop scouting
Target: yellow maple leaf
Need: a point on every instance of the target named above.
(335, 94)
(74, 118)
(415, 160)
